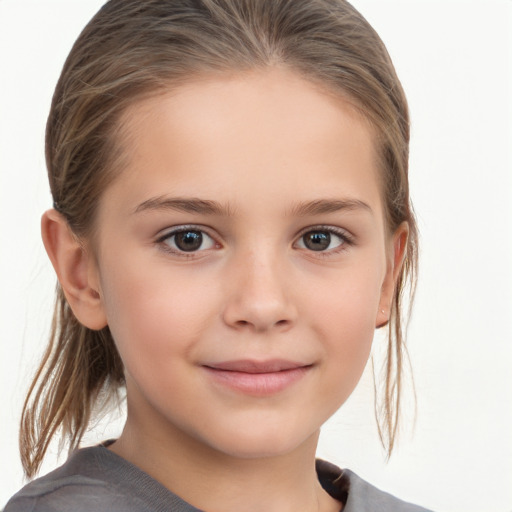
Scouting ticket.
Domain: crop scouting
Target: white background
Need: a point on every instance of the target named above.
(455, 61)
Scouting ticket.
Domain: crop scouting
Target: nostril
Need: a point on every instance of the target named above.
(259, 313)
(246, 323)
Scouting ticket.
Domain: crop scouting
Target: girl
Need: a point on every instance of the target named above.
(231, 223)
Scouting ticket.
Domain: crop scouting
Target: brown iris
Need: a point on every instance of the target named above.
(317, 240)
(188, 240)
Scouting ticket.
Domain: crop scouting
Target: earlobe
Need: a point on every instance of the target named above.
(398, 247)
(75, 269)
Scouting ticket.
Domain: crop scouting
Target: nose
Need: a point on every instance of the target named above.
(259, 299)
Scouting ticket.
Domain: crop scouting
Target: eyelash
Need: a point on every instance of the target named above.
(346, 238)
(161, 241)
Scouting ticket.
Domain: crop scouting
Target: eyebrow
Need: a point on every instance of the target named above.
(209, 207)
(321, 206)
(187, 205)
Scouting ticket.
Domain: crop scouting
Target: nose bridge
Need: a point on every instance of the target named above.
(260, 298)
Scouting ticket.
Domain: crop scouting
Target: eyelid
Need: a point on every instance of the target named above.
(347, 237)
(181, 228)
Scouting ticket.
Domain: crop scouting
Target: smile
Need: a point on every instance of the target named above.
(257, 378)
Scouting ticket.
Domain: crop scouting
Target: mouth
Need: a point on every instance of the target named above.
(257, 378)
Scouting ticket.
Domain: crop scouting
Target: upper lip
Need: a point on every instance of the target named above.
(252, 366)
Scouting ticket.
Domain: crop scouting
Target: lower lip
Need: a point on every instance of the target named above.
(257, 384)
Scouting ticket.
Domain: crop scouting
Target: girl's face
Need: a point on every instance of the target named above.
(242, 261)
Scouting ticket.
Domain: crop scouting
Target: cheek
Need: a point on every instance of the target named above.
(344, 317)
(346, 305)
(154, 315)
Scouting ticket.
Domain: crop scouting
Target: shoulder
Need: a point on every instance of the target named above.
(55, 494)
(364, 497)
(73, 486)
(95, 480)
(359, 495)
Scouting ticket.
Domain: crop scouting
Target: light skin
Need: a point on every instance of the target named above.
(247, 229)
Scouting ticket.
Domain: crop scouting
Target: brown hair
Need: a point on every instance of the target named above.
(132, 49)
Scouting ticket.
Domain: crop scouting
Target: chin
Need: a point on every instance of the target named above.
(265, 443)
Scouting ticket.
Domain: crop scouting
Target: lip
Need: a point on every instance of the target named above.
(257, 378)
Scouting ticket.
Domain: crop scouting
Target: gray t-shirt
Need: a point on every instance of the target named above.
(97, 480)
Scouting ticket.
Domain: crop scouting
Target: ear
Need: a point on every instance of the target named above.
(396, 256)
(76, 270)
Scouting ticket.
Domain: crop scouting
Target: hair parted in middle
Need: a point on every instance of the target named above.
(134, 49)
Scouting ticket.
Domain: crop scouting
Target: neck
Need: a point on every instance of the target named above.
(215, 481)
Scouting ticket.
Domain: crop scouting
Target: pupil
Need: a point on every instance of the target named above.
(317, 240)
(189, 240)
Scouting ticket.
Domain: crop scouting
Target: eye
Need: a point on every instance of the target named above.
(321, 240)
(187, 240)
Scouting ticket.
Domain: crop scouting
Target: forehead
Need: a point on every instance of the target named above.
(260, 133)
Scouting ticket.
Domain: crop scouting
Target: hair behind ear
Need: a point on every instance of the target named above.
(396, 363)
(78, 365)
